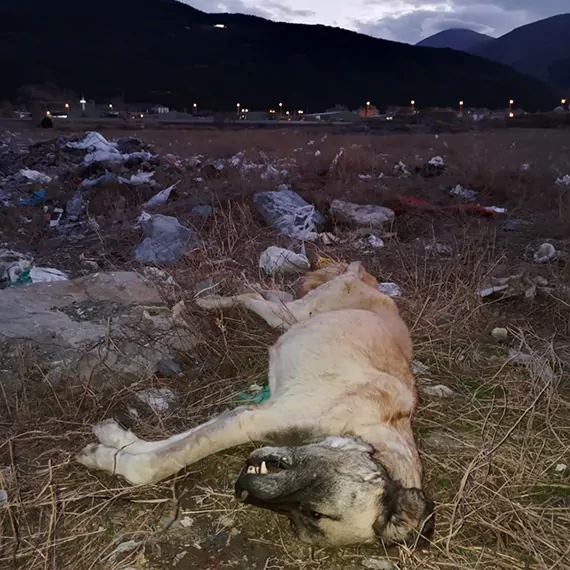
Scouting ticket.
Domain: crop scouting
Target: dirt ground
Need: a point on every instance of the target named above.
(496, 453)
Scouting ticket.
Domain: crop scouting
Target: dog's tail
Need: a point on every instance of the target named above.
(330, 271)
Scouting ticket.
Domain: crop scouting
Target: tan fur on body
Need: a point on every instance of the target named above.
(342, 369)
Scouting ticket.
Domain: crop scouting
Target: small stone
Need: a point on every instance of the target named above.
(500, 334)
(377, 564)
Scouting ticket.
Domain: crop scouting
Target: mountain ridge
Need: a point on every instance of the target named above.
(173, 52)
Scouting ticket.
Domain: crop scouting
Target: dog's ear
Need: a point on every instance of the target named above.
(406, 516)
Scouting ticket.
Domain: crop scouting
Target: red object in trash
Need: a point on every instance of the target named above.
(409, 203)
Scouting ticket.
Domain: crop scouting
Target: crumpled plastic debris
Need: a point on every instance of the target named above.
(513, 285)
(160, 198)
(35, 176)
(288, 213)
(563, 180)
(369, 215)
(158, 399)
(390, 289)
(401, 170)
(464, 193)
(545, 253)
(37, 197)
(279, 261)
(138, 179)
(99, 149)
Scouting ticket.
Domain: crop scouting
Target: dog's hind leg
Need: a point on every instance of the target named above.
(141, 462)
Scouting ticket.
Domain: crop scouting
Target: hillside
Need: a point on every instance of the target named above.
(538, 49)
(456, 38)
(171, 53)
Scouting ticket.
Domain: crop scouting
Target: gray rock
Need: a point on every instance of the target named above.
(287, 212)
(166, 240)
(202, 210)
(369, 216)
(106, 328)
(500, 334)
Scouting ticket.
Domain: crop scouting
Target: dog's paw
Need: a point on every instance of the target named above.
(111, 434)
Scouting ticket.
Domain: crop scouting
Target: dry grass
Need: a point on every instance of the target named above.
(490, 452)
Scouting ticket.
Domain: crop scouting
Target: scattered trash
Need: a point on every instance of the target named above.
(288, 213)
(336, 160)
(513, 285)
(465, 193)
(355, 214)
(563, 180)
(41, 275)
(524, 167)
(13, 264)
(256, 394)
(186, 522)
(560, 468)
(328, 239)
(410, 203)
(390, 289)
(123, 547)
(317, 153)
(277, 260)
(401, 170)
(545, 253)
(434, 167)
(500, 334)
(166, 240)
(514, 224)
(160, 198)
(371, 242)
(158, 399)
(138, 179)
(439, 391)
(35, 176)
(495, 209)
(37, 197)
(75, 207)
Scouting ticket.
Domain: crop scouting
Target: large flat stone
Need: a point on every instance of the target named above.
(106, 327)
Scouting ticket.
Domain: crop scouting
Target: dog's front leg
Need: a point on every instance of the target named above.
(141, 462)
(275, 314)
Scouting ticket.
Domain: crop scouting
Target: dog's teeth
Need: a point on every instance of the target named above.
(263, 469)
(251, 469)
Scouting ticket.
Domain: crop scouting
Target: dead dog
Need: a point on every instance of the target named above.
(341, 384)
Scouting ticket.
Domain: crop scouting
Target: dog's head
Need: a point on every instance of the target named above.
(335, 493)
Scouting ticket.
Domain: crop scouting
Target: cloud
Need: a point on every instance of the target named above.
(492, 17)
(270, 9)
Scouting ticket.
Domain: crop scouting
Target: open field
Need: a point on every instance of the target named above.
(494, 452)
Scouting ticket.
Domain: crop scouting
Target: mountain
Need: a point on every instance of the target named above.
(538, 49)
(168, 52)
(456, 38)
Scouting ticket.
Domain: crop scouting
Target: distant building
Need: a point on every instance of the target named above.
(368, 111)
(160, 110)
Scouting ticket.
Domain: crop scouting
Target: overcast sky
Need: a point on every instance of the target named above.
(399, 20)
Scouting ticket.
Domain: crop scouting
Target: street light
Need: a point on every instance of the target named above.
(280, 109)
(367, 107)
(413, 104)
(461, 106)
(511, 103)
(67, 105)
(195, 107)
(110, 105)
(563, 101)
